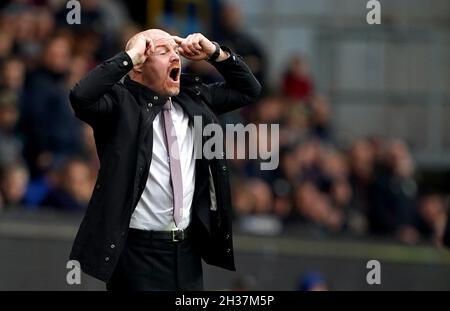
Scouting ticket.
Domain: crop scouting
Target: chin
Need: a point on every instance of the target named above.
(173, 92)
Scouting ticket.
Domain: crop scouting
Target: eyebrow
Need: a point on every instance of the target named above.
(165, 44)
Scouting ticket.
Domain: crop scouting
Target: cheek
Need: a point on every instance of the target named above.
(154, 72)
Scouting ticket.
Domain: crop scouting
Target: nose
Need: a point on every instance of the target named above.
(174, 56)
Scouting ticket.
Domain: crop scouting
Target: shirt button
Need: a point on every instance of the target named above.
(155, 97)
(106, 259)
(228, 250)
(149, 105)
(197, 79)
(113, 246)
(227, 236)
(125, 63)
(224, 168)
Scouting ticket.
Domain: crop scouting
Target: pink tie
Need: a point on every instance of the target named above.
(174, 162)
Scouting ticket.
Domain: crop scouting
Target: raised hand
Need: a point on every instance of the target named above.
(139, 47)
(195, 46)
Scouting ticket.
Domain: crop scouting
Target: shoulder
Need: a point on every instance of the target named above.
(118, 91)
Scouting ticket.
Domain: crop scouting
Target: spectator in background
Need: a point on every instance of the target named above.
(73, 187)
(289, 171)
(320, 118)
(262, 196)
(287, 175)
(315, 207)
(362, 176)
(253, 196)
(12, 75)
(393, 199)
(13, 183)
(308, 154)
(269, 110)
(45, 24)
(334, 178)
(297, 83)
(231, 34)
(87, 49)
(47, 121)
(432, 218)
(6, 44)
(295, 126)
(10, 144)
(254, 207)
(27, 43)
(79, 66)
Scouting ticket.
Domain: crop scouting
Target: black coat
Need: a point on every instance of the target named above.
(121, 115)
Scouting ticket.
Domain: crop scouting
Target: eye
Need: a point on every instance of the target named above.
(161, 51)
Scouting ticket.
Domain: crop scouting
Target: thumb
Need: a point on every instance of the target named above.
(149, 46)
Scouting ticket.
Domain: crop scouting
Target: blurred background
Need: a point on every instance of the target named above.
(364, 115)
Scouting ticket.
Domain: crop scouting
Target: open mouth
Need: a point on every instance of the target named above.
(174, 74)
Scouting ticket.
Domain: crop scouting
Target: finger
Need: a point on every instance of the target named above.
(177, 39)
(198, 46)
(186, 49)
(190, 45)
(182, 52)
(195, 44)
(199, 38)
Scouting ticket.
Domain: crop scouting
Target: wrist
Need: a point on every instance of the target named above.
(134, 55)
(214, 55)
(222, 56)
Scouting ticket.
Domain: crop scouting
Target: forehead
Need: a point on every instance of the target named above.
(166, 41)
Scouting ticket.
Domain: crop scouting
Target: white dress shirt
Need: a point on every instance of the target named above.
(154, 210)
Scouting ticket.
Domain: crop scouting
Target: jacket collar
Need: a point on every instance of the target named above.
(143, 94)
(146, 95)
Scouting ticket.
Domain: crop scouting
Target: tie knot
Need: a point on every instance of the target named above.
(168, 105)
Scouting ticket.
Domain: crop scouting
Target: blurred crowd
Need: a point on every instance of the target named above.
(48, 158)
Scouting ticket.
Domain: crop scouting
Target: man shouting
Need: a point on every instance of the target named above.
(157, 209)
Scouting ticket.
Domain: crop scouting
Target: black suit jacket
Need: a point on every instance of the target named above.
(121, 115)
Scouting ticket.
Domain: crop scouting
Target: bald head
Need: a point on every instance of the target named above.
(153, 34)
